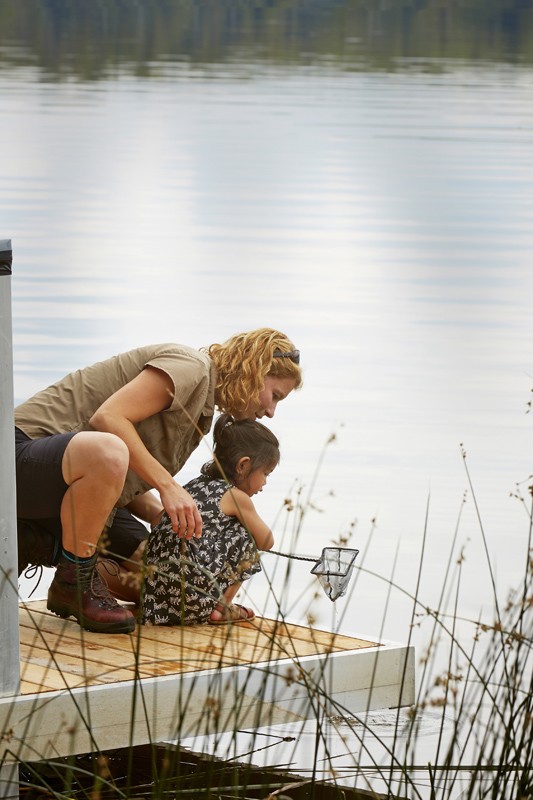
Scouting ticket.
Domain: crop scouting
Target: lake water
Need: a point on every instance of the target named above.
(378, 213)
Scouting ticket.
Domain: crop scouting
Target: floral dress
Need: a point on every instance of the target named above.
(186, 578)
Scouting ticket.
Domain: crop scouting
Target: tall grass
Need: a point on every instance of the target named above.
(475, 687)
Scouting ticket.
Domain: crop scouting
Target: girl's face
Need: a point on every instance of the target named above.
(254, 480)
(274, 390)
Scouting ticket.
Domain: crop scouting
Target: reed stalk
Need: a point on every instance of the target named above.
(475, 683)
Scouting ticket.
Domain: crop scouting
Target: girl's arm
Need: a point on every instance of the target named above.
(147, 394)
(236, 503)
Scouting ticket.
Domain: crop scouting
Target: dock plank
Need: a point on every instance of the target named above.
(58, 654)
(201, 649)
(36, 676)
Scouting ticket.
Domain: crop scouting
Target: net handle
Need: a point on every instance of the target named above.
(291, 555)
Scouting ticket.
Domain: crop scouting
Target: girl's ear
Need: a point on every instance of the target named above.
(242, 467)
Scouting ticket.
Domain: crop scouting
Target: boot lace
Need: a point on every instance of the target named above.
(91, 580)
(30, 572)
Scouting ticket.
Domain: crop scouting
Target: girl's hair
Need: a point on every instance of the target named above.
(235, 439)
(243, 362)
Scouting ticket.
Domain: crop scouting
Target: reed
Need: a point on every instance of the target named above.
(475, 688)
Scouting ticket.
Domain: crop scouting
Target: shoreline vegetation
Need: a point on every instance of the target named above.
(90, 41)
(481, 704)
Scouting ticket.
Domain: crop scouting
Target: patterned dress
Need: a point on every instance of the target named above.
(186, 579)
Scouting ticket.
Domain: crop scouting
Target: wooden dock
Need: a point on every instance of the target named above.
(81, 692)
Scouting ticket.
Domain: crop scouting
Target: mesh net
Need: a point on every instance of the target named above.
(334, 569)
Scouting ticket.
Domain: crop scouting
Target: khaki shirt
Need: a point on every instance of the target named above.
(170, 436)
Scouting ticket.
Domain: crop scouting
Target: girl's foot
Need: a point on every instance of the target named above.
(222, 615)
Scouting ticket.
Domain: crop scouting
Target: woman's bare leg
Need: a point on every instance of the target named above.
(94, 467)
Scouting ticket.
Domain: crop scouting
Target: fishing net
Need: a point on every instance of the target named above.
(334, 569)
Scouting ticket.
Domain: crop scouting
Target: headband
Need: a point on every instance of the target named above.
(294, 355)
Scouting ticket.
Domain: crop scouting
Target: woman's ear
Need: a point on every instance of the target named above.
(242, 467)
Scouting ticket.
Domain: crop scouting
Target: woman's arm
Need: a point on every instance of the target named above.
(236, 503)
(146, 507)
(147, 394)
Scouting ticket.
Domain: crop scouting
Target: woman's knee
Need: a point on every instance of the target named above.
(115, 456)
(98, 454)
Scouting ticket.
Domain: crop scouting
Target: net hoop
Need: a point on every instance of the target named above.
(334, 569)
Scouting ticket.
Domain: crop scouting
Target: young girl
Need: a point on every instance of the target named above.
(194, 580)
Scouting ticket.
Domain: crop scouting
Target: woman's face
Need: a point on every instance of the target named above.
(274, 390)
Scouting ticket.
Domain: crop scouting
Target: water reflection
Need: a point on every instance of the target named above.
(92, 41)
(182, 171)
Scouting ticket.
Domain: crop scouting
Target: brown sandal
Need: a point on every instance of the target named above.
(231, 614)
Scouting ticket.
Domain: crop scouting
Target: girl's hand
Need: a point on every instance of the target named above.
(181, 508)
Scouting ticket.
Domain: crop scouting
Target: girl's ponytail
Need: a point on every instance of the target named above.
(235, 439)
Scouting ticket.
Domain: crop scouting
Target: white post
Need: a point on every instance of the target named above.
(9, 620)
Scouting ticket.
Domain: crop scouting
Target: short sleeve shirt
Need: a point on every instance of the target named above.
(170, 435)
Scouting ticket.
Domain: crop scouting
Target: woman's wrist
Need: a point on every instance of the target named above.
(166, 483)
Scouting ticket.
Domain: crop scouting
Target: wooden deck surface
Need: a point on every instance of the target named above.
(57, 654)
(84, 691)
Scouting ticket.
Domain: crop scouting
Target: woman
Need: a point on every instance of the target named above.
(90, 447)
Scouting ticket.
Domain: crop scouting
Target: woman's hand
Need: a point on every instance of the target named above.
(181, 508)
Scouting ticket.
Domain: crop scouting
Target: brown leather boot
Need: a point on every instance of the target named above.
(78, 591)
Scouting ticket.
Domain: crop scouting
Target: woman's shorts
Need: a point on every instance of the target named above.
(41, 488)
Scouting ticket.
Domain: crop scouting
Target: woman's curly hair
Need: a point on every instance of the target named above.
(243, 362)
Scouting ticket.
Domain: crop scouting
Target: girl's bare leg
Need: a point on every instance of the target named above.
(223, 609)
